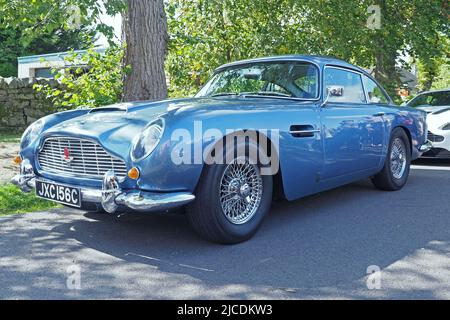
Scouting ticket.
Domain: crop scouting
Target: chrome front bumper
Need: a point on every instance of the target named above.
(111, 196)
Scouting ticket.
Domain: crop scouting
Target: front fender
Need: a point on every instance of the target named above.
(193, 140)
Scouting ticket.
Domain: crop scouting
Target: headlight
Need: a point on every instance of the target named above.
(147, 140)
(446, 127)
(32, 133)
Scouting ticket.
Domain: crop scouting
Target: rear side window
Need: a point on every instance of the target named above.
(350, 82)
(374, 92)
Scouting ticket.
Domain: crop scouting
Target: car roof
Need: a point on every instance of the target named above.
(433, 91)
(318, 60)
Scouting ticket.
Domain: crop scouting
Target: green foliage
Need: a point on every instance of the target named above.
(37, 17)
(12, 47)
(208, 33)
(434, 71)
(13, 201)
(52, 26)
(9, 137)
(442, 80)
(98, 84)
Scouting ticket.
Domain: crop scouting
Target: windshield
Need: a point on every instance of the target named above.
(432, 99)
(281, 80)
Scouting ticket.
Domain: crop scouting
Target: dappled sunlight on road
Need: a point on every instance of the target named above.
(426, 270)
(317, 247)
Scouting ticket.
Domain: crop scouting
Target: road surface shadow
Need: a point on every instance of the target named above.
(306, 247)
(325, 240)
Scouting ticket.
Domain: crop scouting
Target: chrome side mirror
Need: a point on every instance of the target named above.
(333, 91)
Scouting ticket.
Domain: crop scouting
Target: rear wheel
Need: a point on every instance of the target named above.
(231, 201)
(396, 169)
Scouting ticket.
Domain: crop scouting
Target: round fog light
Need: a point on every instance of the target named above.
(133, 173)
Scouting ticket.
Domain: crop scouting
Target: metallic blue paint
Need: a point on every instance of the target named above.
(351, 145)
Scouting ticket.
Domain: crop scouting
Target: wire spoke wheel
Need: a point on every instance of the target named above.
(398, 158)
(241, 190)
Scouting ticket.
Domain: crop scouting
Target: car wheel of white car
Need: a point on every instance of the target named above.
(396, 169)
(231, 201)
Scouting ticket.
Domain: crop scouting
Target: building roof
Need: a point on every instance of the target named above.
(58, 56)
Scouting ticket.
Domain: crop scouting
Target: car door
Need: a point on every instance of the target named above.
(301, 151)
(300, 140)
(379, 100)
(352, 129)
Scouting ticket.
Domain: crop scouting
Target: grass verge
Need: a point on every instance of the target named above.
(14, 201)
(9, 137)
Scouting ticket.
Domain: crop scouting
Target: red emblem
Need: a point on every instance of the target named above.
(67, 157)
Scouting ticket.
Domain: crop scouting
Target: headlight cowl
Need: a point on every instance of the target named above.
(446, 127)
(148, 140)
(32, 133)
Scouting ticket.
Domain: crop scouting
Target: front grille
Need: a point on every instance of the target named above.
(435, 138)
(78, 158)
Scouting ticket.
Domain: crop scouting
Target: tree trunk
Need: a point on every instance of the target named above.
(145, 36)
(386, 55)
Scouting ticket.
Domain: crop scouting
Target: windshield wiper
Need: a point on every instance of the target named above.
(267, 94)
(261, 94)
(224, 94)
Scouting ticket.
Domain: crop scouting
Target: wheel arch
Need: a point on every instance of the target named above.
(278, 189)
(408, 134)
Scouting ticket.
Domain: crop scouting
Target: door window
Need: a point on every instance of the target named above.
(374, 92)
(350, 82)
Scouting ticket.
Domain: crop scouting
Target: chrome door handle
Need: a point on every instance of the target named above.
(303, 131)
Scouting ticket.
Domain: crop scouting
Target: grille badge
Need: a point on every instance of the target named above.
(66, 157)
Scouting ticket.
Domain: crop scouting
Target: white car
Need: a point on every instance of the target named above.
(437, 105)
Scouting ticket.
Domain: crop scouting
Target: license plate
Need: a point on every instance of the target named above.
(59, 193)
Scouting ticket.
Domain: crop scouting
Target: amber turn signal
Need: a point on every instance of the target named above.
(17, 160)
(133, 173)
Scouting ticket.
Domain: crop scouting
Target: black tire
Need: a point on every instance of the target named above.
(207, 217)
(386, 179)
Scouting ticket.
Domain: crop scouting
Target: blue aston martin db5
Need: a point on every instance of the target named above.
(287, 126)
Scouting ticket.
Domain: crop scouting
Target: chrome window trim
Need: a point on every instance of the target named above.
(352, 71)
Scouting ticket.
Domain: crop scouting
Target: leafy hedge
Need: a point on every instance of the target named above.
(101, 83)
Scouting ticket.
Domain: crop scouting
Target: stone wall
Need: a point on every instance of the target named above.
(20, 105)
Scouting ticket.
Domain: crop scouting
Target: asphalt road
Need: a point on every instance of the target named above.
(319, 247)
